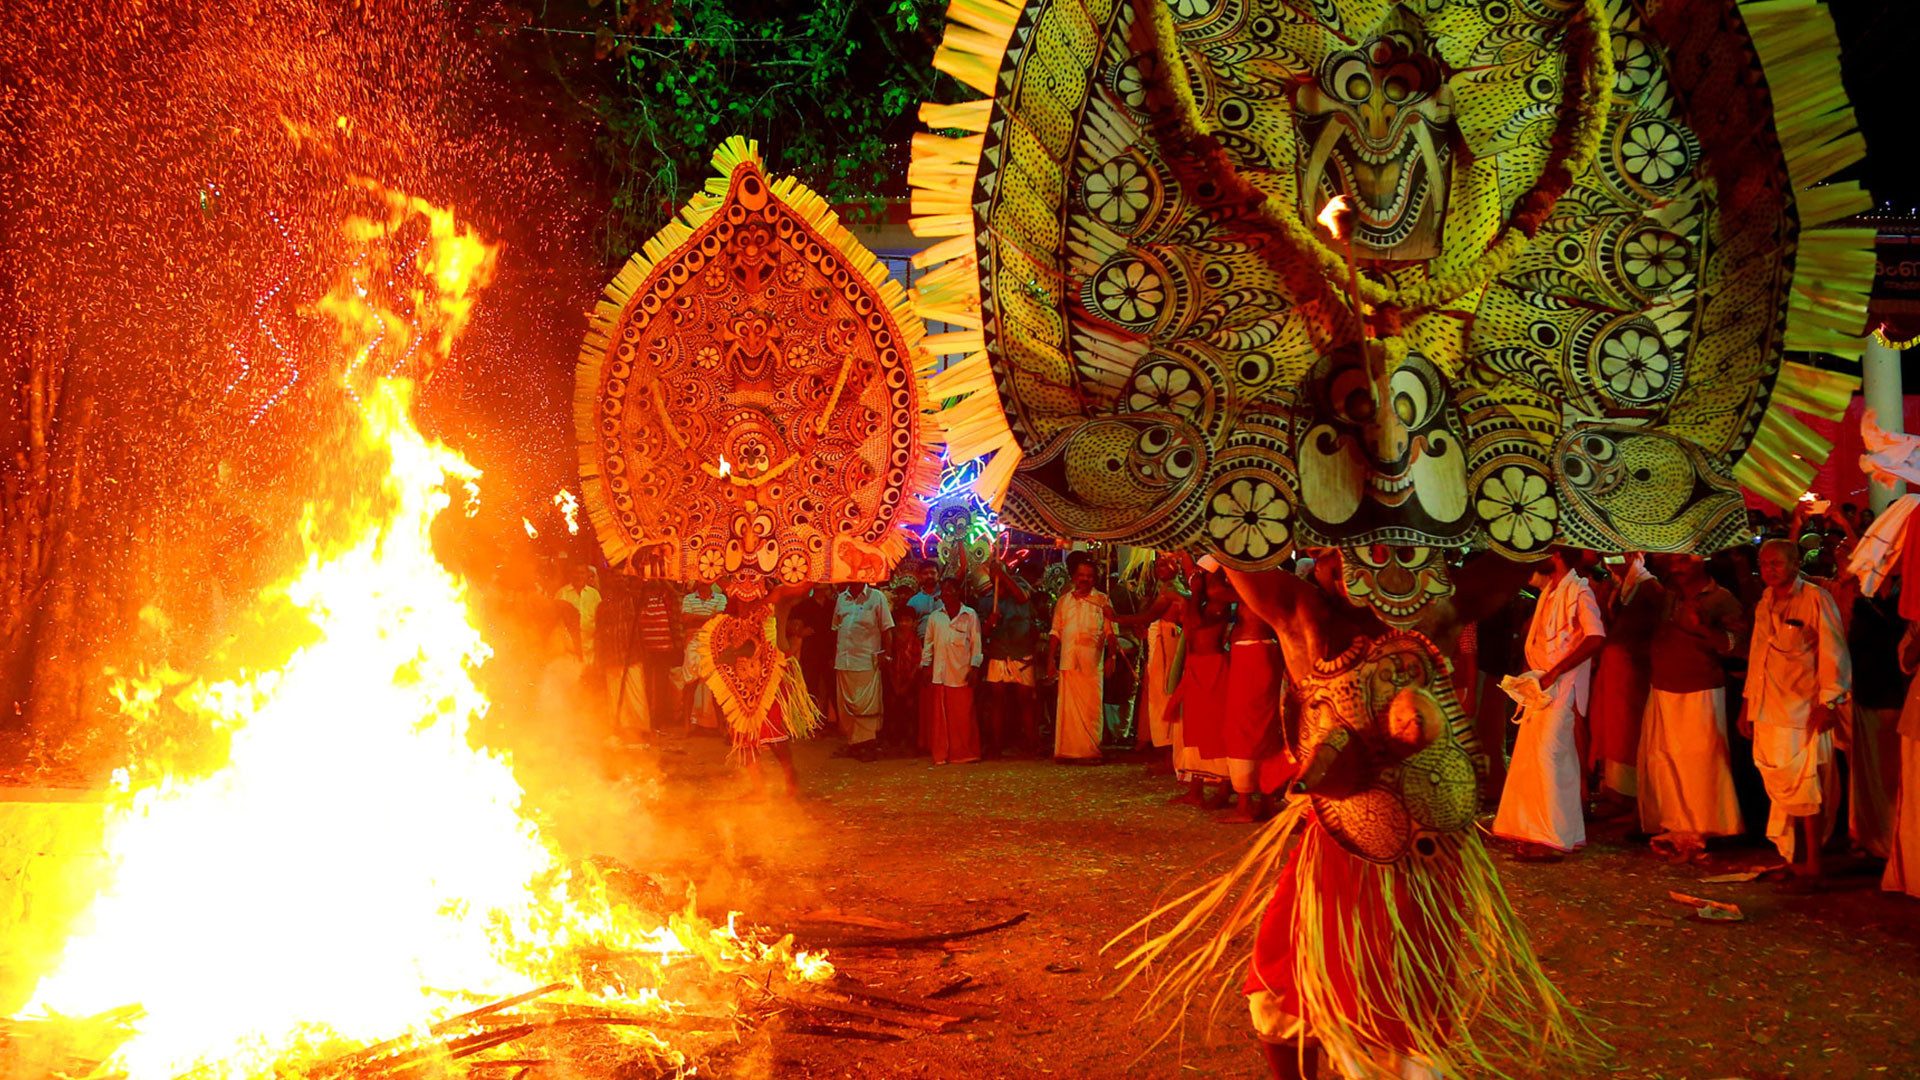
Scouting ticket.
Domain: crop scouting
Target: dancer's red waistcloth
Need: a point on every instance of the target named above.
(1357, 937)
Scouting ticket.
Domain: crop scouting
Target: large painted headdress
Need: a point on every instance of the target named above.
(1587, 235)
(748, 405)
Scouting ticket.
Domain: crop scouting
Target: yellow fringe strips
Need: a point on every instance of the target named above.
(952, 292)
(941, 176)
(1784, 455)
(1829, 203)
(976, 41)
(1505, 1020)
(797, 707)
(1880, 335)
(966, 116)
(1799, 51)
(665, 244)
(745, 718)
(956, 247)
(1832, 282)
(1825, 394)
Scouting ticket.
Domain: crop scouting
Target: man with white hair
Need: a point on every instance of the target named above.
(1798, 674)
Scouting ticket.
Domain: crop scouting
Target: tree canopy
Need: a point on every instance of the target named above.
(828, 87)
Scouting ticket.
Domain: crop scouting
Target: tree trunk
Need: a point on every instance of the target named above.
(41, 494)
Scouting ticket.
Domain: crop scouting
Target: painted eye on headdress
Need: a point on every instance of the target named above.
(1350, 397)
(1405, 81)
(1412, 398)
(1352, 81)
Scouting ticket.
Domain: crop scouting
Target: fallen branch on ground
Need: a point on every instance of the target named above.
(851, 941)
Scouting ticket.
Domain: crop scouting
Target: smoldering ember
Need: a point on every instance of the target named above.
(579, 540)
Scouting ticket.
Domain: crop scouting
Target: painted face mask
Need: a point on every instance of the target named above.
(1376, 125)
(1375, 471)
(1397, 582)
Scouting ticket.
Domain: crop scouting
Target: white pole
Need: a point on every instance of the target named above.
(1880, 384)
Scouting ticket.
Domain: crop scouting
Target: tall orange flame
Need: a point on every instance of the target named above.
(356, 868)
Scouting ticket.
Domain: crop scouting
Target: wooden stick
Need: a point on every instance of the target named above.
(504, 1003)
(955, 1010)
(367, 1053)
(891, 1016)
(953, 987)
(834, 1031)
(678, 1022)
(852, 942)
(487, 1040)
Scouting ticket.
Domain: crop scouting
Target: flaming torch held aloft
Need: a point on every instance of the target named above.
(1337, 218)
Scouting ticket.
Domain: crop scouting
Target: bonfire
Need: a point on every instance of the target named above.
(352, 887)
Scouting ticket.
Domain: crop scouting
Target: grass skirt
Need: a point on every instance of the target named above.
(1423, 958)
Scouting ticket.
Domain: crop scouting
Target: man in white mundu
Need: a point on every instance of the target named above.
(1798, 674)
(861, 620)
(1082, 626)
(1540, 806)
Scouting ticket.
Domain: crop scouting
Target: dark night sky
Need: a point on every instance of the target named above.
(1881, 67)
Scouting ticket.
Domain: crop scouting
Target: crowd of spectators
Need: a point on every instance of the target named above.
(1753, 695)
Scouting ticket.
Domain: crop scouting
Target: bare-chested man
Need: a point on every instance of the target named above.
(1257, 762)
(1198, 704)
(1317, 624)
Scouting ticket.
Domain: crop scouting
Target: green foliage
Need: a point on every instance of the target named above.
(828, 87)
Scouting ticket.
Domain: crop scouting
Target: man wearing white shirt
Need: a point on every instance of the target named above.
(950, 656)
(1798, 674)
(580, 594)
(924, 603)
(861, 619)
(1540, 806)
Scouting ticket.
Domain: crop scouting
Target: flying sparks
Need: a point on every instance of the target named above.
(356, 868)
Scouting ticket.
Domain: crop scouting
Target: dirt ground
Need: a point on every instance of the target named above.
(1826, 985)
